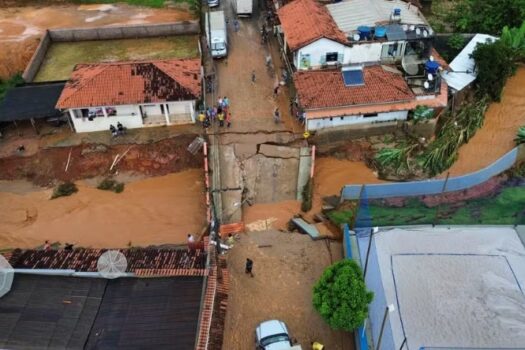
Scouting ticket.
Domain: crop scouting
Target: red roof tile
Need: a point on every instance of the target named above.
(304, 21)
(107, 84)
(326, 88)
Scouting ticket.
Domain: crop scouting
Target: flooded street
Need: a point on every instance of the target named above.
(496, 137)
(157, 210)
(21, 27)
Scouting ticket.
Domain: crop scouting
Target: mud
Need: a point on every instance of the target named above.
(22, 27)
(48, 165)
(496, 137)
(161, 210)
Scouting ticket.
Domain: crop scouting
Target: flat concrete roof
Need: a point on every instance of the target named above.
(457, 287)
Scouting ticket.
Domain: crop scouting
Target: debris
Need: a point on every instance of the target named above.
(68, 159)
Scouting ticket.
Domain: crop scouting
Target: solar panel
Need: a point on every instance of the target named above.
(353, 77)
(395, 32)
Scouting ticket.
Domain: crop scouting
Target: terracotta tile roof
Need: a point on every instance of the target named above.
(108, 84)
(326, 88)
(304, 21)
(144, 262)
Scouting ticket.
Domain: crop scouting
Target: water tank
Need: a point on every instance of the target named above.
(364, 32)
(397, 12)
(380, 32)
(431, 67)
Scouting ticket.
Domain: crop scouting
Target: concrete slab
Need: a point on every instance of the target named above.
(305, 163)
(279, 151)
(245, 150)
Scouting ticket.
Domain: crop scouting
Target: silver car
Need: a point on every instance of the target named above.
(272, 335)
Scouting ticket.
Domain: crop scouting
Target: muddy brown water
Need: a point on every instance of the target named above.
(160, 210)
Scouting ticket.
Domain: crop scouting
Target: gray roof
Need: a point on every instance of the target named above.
(351, 14)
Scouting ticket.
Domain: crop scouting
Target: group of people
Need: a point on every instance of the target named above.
(119, 130)
(219, 112)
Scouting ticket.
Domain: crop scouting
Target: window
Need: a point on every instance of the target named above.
(370, 115)
(391, 50)
(331, 57)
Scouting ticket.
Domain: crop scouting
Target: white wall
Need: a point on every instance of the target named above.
(102, 123)
(152, 109)
(323, 123)
(318, 50)
(361, 53)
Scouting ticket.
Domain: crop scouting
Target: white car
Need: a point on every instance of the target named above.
(273, 335)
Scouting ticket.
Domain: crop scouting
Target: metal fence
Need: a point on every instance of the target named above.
(433, 186)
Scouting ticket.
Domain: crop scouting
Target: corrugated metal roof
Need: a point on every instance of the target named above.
(463, 66)
(351, 14)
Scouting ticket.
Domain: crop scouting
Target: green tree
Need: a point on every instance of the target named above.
(515, 39)
(495, 63)
(341, 297)
(488, 16)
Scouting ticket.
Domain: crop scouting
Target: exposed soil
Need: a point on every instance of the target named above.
(88, 160)
(161, 210)
(284, 275)
(495, 138)
(21, 27)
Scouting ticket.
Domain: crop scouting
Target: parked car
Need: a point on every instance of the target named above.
(273, 335)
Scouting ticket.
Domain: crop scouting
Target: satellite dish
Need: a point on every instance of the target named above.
(410, 64)
(112, 264)
(430, 77)
(356, 37)
(412, 27)
(7, 273)
(418, 31)
(426, 85)
(425, 33)
(431, 58)
(405, 27)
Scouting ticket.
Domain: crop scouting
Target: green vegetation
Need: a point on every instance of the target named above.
(341, 217)
(62, 57)
(6, 85)
(515, 39)
(520, 136)
(486, 16)
(341, 297)
(111, 185)
(64, 189)
(507, 208)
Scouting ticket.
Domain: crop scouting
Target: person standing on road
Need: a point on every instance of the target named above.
(213, 114)
(228, 118)
(253, 77)
(276, 115)
(317, 346)
(202, 118)
(249, 267)
(276, 89)
(220, 116)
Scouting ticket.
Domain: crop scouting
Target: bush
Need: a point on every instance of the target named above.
(111, 185)
(6, 85)
(341, 297)
(64, 189)
(520, 136)
(495, 62)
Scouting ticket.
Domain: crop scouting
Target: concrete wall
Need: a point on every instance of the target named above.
(102, 123)
(125, 32)
(352, 132)
(38, 57)
(332, 122)
(317, 51)
(105, 33)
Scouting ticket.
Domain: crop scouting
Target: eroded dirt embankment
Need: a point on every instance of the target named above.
(154, 159)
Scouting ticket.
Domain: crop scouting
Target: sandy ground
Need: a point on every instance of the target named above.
(495, 138)
(21, 27)
(281, 289)
(152, 211)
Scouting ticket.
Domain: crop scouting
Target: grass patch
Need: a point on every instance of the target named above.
(62, 57)
(6, 85)
(111, 185)
(64, 189)
(507, 208)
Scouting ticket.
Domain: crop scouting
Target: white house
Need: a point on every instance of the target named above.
(136, 94)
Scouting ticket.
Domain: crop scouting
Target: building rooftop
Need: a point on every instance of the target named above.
(31, 101)
(120, 83)
(52, 312)
(304, 21)
(452, 287)
(351, 14)
(462, 68)
(141, 261)
(326, 88)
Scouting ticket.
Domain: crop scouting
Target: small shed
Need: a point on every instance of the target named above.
(463, 68)
(31, 102)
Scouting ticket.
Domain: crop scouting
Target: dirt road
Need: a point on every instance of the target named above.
(21, 27)
(281, 289)
(495, 138)
(153, 211)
